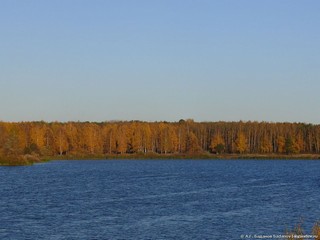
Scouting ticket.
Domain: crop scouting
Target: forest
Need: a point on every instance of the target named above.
(161, 138)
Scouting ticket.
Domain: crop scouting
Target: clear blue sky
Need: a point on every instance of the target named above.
(155, 60)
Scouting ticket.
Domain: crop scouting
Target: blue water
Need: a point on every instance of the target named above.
(157, 199)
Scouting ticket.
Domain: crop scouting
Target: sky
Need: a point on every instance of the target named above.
(160, 60)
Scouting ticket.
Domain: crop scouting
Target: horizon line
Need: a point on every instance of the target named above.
(161, 121)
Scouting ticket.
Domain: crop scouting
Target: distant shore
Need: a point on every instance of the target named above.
(25, 143)
(191, 156)
(30, 160)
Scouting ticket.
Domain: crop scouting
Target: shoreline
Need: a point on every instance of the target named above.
(27, 160)
(186, 156)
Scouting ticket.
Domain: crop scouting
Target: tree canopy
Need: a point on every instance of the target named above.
(183, 137)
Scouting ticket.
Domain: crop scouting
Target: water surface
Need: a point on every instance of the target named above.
(157, 199)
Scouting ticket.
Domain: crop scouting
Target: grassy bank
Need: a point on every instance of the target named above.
(186, 156)
(31, 159)
(21, 160)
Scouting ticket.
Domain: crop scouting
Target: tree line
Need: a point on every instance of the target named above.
(133, 137)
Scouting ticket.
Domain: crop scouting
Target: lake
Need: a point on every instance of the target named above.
(158, 199)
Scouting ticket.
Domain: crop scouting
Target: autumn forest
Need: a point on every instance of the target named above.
(137, 137)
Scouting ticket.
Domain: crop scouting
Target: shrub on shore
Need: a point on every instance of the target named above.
(19, 160)
(298, 231)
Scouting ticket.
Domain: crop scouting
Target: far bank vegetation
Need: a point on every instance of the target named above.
(162, 138)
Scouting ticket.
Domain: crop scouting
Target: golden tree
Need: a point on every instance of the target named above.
(217, 143)
(241, 143)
